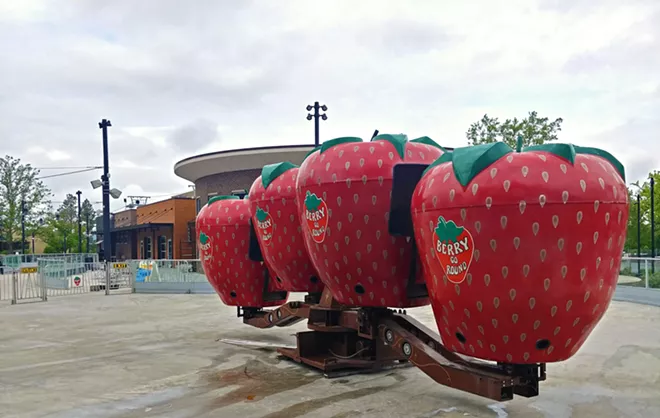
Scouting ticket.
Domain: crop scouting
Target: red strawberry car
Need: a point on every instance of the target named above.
(521, 250)
(277, 224)
(344, 190)
(223, 234)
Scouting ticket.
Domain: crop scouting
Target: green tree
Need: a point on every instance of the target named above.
(533, 129)
(53, 234)
(64, 223)
(87, 213)
(20, 182)
(644, 224)
(644, 191)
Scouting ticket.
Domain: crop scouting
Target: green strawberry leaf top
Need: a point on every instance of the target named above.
(398, 141)
(262, 215)
(203, 238)
(428, 141)
(312, 152)
(468, 162)
(448, 231)
(565, 151)
(272, 171)
(312, 201)
(576, 149)
(337, 141)
(218, 198)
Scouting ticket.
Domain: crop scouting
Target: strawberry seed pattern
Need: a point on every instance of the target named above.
(558, 247)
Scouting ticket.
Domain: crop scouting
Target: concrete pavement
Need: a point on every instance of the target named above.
(128, 356)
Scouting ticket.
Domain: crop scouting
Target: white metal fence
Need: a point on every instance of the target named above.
(640, 272)
(65, 275)
(53, 276)
(25, 285)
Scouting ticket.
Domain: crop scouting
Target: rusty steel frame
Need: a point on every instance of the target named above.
(372, 339)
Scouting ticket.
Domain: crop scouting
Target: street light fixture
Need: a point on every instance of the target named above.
(316, 115)
(115, 193)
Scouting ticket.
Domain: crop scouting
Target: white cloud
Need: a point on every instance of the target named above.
(179, 78)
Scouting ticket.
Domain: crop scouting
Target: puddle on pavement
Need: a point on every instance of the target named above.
(260, 377)
(257, 379)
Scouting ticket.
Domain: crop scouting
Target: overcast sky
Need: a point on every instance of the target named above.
(177, 78)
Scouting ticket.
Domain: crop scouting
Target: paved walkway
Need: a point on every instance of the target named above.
(129, 356)
(638, 295)
(628, 279)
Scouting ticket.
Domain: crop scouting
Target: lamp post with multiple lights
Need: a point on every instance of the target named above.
(107, 192)
(316, 115)
(652, 225)
(639, 233)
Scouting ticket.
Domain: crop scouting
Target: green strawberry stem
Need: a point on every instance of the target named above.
(203, 238)
(565, 151)
(272, 171)
(312, 202)
(261, 215)
(398, 141)
(218, 198)
(338, 141)
(311, 152)
(519, 143)
(448, 231)
(468, 162)
(428, 141)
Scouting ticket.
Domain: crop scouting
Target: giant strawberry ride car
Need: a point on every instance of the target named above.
(277, 225)
(223, 236)
(521, 249)
(344, 192)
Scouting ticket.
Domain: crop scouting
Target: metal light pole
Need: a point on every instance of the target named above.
(79, 225)
(107, 244)
(652, 226)
(23, 213)
(316, 115)
(639, 236)
(87, 232)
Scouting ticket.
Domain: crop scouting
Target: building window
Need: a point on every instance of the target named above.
(198, 204)
(142, 250)
(162, 247)
(148, 248)
(170, 250)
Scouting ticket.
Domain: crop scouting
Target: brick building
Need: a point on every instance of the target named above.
(159, 230)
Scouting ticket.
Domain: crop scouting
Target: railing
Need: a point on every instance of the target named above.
(13, 262)
(53, 276)
(168, 271)
(640, 272)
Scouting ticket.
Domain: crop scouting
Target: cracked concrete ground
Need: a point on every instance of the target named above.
(126, 356)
